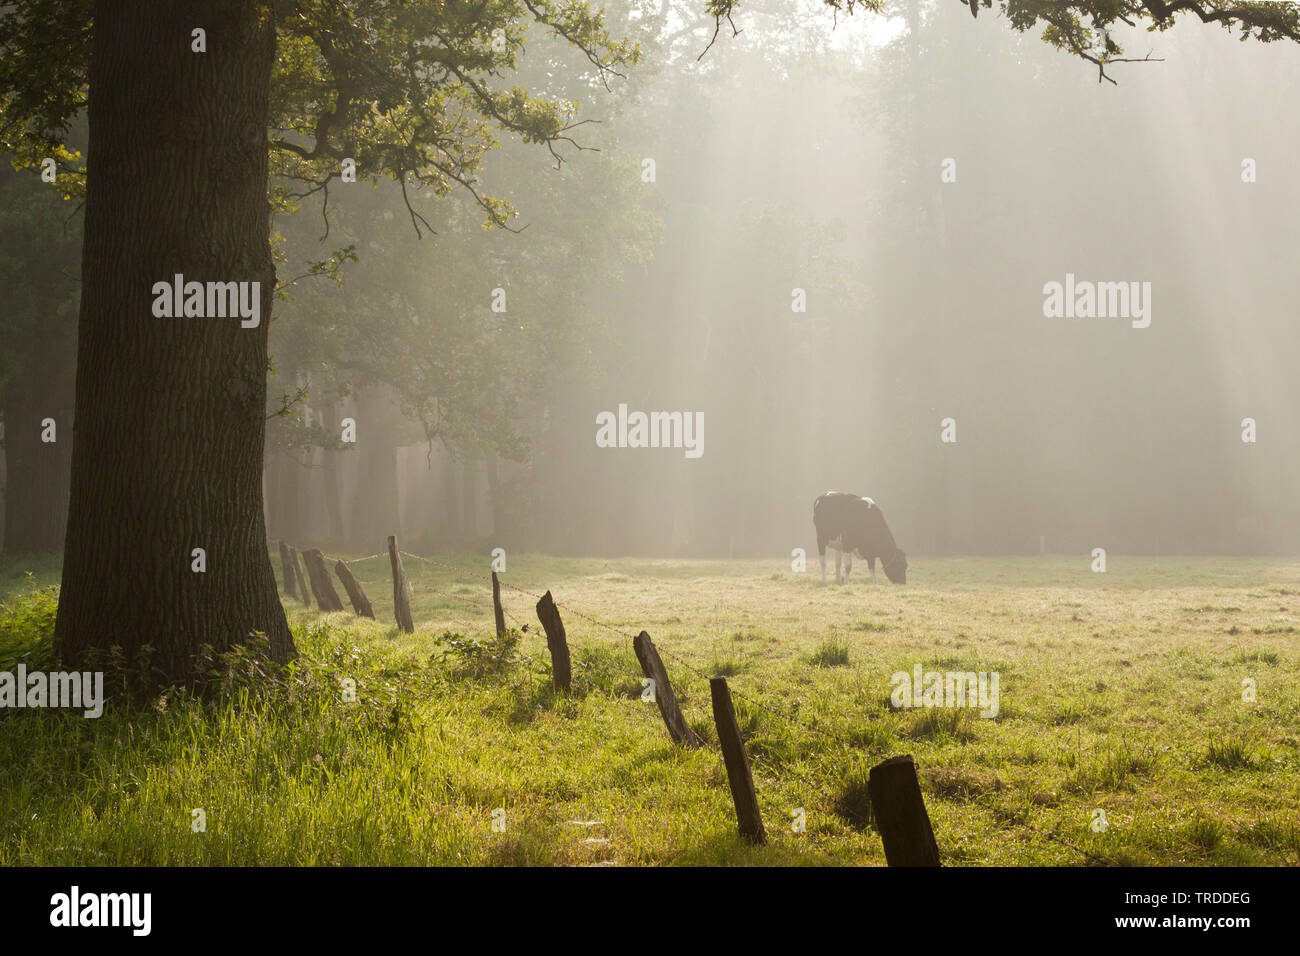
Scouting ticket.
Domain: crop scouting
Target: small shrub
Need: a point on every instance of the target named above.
(472, 658)
(27, 630)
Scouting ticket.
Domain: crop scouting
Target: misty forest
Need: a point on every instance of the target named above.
(423, 419)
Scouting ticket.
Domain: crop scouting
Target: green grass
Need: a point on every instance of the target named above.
(1119, 691)
(830, 654)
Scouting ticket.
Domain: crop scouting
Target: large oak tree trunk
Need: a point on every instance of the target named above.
(167, 455)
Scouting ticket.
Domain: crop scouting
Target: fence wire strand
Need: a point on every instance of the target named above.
(351, 561)
(760, 763)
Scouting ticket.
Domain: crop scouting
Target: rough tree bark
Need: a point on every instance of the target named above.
(167, 455)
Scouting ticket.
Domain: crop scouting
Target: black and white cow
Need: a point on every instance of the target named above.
(850, 525)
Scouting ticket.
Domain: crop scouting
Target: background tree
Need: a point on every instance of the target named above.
(1092, 30)
(927, 301)
(40, 250)
(171, 412)
(415, 333)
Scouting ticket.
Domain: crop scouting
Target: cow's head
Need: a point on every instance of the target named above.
(896, 567)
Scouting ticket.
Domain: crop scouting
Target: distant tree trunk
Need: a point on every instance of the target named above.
(943, 502)
(37, 472)
(494, 492)
(451, 523)
(374, 503)
(469, 499)
(282, 497)
(291, 487)
(330, 469)
(171, 412)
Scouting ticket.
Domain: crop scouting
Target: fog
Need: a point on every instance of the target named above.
(913, 182)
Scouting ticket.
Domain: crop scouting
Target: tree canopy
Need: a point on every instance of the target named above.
(404, 88)
(1089, 29)
(408, 88)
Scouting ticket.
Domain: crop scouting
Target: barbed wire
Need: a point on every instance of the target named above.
(626, 635)
(690, 667)
(438, 564)
(469, 600)
(351, 561)
(759, 762)
(1053, 837)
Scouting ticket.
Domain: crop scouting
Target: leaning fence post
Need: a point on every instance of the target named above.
(286, 566)
(497, 610)
(401, 603)
(900, 816)
(737, 761)
(653, 668)
(549, 615)
(326, 597)
(360, 603)
(304, 594)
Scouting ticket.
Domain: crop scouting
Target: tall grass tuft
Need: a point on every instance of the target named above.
(853, 801)
(830, 653)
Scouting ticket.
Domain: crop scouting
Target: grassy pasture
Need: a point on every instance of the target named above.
(1119, 691)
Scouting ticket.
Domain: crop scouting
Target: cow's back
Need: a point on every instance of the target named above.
(837, 510)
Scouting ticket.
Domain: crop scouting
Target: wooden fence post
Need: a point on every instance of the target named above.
(401, 603)
(497, 610)
(360, 603)
(653, 668)
(304, 595)
(549, 615)
(286, 566)
(321, 586)
(900, 816)
(737, 761)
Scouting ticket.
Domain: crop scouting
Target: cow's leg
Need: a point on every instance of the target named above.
(848, 565)
(839, 560)
(872, 563)
(821, 554)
